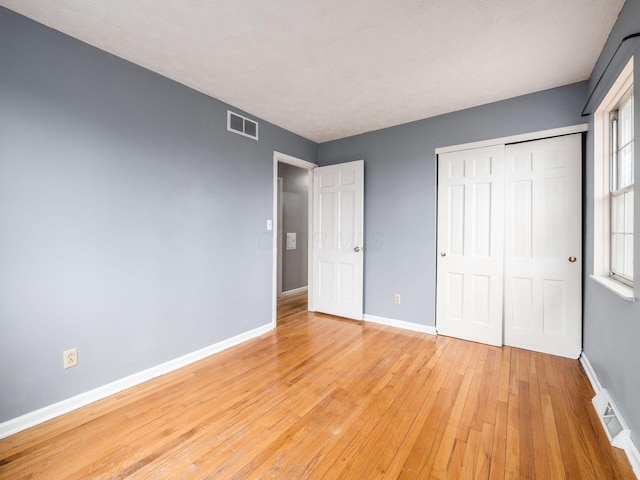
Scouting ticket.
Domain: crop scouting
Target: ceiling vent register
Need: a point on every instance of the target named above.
(242, 125)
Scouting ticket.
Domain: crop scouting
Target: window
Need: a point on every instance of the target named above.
(621, 190)
(614, 187)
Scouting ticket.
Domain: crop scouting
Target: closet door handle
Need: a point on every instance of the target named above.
(572, 259)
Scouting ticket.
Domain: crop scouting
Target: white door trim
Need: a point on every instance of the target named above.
(524, 137)
(297, 162)
(278, 229)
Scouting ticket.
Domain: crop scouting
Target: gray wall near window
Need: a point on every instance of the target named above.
(611, 324)
(400, 186)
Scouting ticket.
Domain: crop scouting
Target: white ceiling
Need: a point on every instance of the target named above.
(328, 69)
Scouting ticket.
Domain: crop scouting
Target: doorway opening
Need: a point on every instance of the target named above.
(292, 192)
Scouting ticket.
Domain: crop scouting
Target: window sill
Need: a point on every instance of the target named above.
(620, 289)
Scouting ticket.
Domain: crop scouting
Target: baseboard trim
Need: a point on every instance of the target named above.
(293, 292)
(634, 457)
(591, 373)
(36, 417)
(390, 322)
(629, 447)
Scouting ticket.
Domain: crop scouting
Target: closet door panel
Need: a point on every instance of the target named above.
(543, 230)
(470, 244)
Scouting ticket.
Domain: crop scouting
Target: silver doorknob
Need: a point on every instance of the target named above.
(356, 249)
(572, 259)
(443, 254)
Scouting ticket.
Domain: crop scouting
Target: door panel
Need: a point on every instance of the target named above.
(338, 239)
(470, 235)
(509, 220)
(481, 286)
(543, 215)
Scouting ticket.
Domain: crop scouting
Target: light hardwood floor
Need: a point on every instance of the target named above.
(325, 398)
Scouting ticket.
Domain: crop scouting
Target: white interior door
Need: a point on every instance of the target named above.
(543, 246)
(338, 194)
(470, 244)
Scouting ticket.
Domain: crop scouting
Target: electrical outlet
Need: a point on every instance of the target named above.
(396, 298)
(70, 358)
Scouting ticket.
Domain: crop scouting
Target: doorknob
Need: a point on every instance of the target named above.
(443, 254)
(356, 249)
(572, 259)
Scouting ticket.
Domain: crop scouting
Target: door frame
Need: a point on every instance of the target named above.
(523, 137)
(278, 229)
(279, 157)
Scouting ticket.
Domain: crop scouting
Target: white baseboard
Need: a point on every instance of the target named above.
(628, 446)
(416, 327)
(293, 292)
(634, 457)
(36, 417)
(591, 373)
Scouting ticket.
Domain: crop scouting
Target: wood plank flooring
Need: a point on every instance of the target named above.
(326, 398)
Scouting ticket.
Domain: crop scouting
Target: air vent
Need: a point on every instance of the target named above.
(242, 125)
(613, 423)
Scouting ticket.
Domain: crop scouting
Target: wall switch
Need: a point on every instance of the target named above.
(269, 225)
(70, 358)
(291, 240)
(396, 298)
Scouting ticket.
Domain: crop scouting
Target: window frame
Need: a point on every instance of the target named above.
(614, 159)
(602, 271)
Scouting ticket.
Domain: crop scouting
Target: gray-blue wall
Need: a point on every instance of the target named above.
(400, 210)
(295, 219)
(400, 190)
(611, 324)
(132, 224)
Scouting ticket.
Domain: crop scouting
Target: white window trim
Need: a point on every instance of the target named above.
(619, 288)
(601, 210)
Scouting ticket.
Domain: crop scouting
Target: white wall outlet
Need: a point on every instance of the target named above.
(70, 358)
(396, 298)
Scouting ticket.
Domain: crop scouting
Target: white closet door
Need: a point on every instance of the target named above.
(543, 246)
(470, 244)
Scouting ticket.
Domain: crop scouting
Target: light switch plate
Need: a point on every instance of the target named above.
(291, 240)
